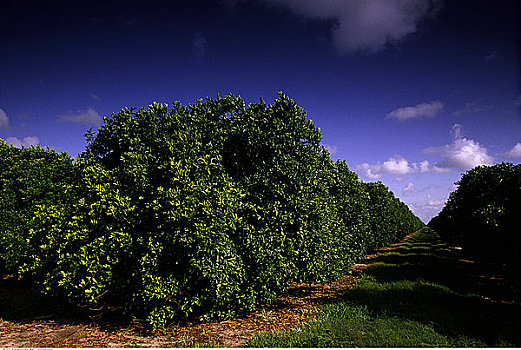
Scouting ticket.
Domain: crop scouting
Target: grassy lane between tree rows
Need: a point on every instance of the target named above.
(421, 294)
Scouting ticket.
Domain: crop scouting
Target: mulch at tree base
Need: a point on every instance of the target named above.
(298, 305)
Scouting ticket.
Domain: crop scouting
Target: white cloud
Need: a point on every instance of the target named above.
(514, 152)
(465, 154)
(427, 209)
(396, 165)
(90, 116)
(457, 131)
(371, 171)
(367, 26)
(426, 167)
(462, 153)
(4, 121)
(437, 204)
(331, 148)
(199, 44)
(409, 189)
(26, 142)
(429, 110)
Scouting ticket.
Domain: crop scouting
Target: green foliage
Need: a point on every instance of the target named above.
(29, 178)
(482, 214)
(390, 219)
(418, 295)
(204, 211)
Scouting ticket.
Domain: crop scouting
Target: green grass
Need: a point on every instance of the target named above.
(420, 295)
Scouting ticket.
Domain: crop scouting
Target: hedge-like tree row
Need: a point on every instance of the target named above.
(201, 210)
(483, 213)
(29, 178)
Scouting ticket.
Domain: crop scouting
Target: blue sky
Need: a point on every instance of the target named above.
(409, 92)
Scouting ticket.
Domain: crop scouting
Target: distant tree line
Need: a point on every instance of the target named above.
(483, 214)
(201, 210)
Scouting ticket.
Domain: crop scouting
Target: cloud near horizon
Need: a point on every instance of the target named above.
(4, 120)
(26, 141)
(427, 209)
(90, 116)
(397, 165)
(411, 189)
(514, 152)
(362, 26)
(462, 153)
(428, 110)
(331, 148)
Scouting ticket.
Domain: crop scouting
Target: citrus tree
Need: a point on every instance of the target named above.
(200, 210)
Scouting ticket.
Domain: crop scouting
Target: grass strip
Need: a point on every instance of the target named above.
(421, 294)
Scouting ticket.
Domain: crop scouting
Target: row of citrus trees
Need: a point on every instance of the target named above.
(201, 210)
(483, 214)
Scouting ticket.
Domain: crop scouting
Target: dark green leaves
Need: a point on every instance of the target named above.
(201, 210)
(483, 213)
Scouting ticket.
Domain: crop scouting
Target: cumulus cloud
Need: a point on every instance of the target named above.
(429, 110)
(26, 141)
(514, 152)
(462, 153)
(90, 116)
(396, 165)
(4, 121)
(199, 44)
(365, 26)
(426, 167)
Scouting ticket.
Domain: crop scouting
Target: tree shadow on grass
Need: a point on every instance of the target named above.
(425, 281)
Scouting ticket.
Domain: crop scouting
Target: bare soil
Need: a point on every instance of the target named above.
(48, 326)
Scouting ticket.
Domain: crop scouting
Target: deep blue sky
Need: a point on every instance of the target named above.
(409, 92)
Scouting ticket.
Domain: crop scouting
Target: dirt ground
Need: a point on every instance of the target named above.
(297, 306)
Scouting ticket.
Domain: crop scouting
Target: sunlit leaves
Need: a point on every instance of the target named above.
(202, 210)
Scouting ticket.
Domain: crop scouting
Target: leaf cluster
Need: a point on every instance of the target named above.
(204, 210)
(482, 214)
